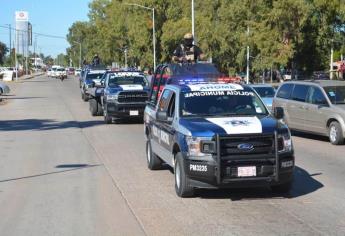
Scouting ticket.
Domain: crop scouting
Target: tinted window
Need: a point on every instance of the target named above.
(115, 80)
(265, 92)
(163, 103)
(221, 103)
(285, 91)
(94, 76)
(316, 96)
(300, 93)
(336, 94)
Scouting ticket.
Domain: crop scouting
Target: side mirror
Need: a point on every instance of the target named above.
(93, 84)
(162, 116)
(278, 113)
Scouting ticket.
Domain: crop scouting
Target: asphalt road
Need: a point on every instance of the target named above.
(63, 172)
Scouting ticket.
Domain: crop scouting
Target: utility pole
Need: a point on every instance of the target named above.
(331, 65)
(193, 22)
(154, 39)
(35, 51)
(248, 55)
(10, 35)
(15, 54)
(125, 51)
(80, 54)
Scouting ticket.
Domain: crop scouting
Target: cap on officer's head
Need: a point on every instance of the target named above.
(188, 36)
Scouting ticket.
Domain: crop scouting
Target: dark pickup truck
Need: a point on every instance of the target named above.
(121, 94)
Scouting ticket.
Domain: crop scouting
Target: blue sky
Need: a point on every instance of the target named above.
(52, 17)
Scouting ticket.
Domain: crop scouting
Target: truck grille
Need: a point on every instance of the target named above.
(260, 145)
(132, 97)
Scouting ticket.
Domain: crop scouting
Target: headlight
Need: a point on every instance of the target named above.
(112, 97)
(284, 142)
(200, 146)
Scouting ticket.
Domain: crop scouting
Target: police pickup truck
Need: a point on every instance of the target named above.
(90, 77)
(123, 95)
(216, 135)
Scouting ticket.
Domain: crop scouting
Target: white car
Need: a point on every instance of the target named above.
(60, 71)
(77, 72)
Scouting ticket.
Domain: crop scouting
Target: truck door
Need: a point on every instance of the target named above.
(167, 130)
(159, 137)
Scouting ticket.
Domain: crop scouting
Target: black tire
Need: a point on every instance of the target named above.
(335, 133)
(85, 97)
(282, 188)
(1, 91)
(99, 108)
(153, 161)
(93, 107)
(182, 187)
(107, 119)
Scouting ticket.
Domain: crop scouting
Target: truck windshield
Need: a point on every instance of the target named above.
(221, 103)
(336, 94)
(124, 80)
(94, 76)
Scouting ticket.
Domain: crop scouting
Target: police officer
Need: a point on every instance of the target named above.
(96, 60)
(187, 51)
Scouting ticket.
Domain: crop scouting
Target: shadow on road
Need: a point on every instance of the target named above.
(303, 184)
(20, 98)
(82, 166)
(44, 124)
(310, 136)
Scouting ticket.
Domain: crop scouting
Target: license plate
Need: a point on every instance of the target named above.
(246, 171)
(133, 113)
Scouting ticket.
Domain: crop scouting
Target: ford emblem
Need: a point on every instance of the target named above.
(245, 146)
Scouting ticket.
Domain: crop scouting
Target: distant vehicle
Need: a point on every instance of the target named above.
(320, 75)
(77, 72)
(90, 78)
(49, 72)
(125, 95)
(314, 106)
(266, 93)
(59, 72)
(70, 71)
(4, 89)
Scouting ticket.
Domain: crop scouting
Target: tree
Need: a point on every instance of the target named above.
(3, 51)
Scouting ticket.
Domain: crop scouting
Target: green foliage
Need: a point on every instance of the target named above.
(282, 33)
(3, 51)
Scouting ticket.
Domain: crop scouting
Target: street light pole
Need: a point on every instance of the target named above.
(331, 65)
(248, 55)
(154, 39)
(193, 22)
(153, 29)
(15, 53)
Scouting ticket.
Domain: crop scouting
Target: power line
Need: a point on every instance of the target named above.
(39, 34)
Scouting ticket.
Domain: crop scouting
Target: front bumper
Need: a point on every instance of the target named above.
(266, 174)
(123, 110)
(237, 171)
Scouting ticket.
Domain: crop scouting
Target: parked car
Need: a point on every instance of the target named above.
(315, 106)
(266, 93)
(4, 89)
